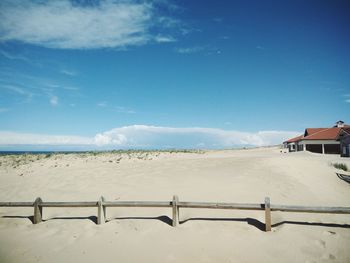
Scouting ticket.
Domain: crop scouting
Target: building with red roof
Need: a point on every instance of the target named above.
(322, 140)
(344, 139)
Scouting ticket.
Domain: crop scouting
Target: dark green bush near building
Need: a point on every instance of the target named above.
(341, 166)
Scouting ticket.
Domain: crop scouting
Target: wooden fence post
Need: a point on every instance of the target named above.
(267, 214)
(100, 218)
(104, 209)
(175, 210)
(38, 211)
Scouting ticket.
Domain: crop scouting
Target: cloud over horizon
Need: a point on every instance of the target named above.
(70, 25)
(148, 137)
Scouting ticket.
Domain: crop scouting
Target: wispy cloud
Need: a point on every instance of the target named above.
(121, 109)
(164, 39)
(168, 22)
(218, 19)
(67, 25)
(49, 86)
(206, 50)
(54, 100)
(102, 104)
(17, 57)
(144, 136)
(4, 110)
(189, 50)
(13, 56)
(24, 88)
(18, 91)
(68, 72)
(70, 88)
(224, 37)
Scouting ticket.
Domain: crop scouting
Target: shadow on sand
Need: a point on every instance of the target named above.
(261, 226)
(31, 218)
(167, 220)
(250, 221)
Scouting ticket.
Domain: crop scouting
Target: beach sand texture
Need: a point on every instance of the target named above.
(146, 235)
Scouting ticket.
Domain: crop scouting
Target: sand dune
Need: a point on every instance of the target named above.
(140, 234)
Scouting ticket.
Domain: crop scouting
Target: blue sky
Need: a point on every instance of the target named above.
(162, 73)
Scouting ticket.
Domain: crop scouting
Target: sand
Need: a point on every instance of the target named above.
(145, 234)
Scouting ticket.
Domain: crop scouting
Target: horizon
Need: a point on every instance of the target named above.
(151, 74)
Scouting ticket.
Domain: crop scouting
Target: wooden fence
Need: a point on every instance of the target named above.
(175, 204)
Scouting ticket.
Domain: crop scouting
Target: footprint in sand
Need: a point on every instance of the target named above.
(329, 233)
(328, 256)
(321, 243)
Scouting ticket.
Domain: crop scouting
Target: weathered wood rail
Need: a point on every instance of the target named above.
(175, 204)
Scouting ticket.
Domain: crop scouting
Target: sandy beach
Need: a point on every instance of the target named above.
(146, 235)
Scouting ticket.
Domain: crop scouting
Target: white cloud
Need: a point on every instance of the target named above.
(67, 25)
(109, 138)
(54, 100)
(348, 100)
(144, 136)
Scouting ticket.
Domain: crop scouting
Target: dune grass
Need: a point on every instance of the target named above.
(340, 166)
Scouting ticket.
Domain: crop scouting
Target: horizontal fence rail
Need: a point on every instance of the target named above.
(17, 204)
(136, 204)
(175, 204)
(311, 209)
(221, 206)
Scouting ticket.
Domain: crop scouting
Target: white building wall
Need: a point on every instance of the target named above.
(319, 142)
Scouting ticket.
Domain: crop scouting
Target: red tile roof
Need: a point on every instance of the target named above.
(309, 131)
(323, 134)
(295, 139)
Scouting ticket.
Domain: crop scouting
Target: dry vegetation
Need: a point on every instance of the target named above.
(115, 156)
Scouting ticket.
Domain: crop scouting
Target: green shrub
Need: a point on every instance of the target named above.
(48, 155)
(341, 166)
